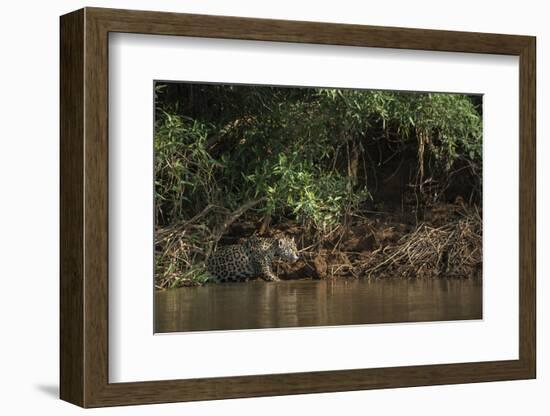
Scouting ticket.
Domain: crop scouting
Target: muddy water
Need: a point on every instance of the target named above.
(259, 304)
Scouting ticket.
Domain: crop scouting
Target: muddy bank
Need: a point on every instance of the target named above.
(446, 242)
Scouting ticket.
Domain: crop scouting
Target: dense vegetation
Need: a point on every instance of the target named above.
(320, 159)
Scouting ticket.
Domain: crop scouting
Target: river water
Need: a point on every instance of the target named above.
(259, 304)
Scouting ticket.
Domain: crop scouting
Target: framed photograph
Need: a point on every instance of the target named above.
(255, 207)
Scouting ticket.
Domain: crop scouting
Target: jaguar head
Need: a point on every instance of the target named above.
(286, 249)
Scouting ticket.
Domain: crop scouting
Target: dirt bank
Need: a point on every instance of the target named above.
(445, 243)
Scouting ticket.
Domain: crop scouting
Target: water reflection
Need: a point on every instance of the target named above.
(260, 304)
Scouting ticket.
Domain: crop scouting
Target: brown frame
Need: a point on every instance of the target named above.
(84, 209)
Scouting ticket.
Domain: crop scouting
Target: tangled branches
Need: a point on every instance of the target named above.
(453, 250)
(180, 249)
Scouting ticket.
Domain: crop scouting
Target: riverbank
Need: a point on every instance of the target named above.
(445, 243)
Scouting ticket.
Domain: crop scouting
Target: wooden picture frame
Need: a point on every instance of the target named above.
(84, 207)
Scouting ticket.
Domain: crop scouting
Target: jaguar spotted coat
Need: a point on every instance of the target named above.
(250, 259)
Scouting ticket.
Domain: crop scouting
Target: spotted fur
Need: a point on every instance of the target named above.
(251, 259)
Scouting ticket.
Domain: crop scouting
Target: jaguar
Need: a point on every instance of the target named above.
(252, 258)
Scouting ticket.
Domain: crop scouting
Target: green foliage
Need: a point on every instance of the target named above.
(304, 153)
(195, 273)
(184, 170)
(451, 121)
(301, 189)
(293, 146)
